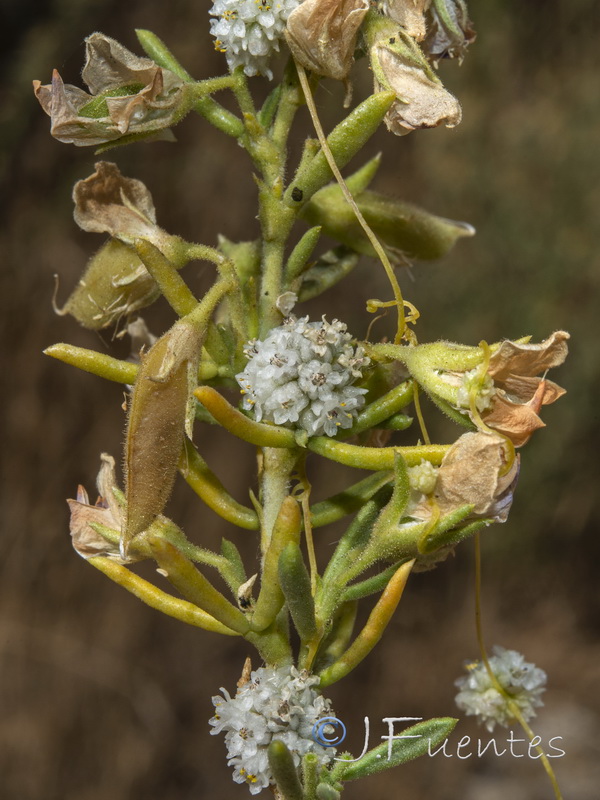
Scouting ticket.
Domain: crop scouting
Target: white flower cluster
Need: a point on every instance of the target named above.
(248, 31)
(274, 704)
(524, 682)
(302, 374)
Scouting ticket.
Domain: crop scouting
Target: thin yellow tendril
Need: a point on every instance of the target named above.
(514, 708)
(398, 301)
(435, 517)
(420, 417)
(304, 499)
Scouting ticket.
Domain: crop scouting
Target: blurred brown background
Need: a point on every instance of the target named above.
(102, 698)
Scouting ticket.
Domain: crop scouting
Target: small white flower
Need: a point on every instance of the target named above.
(524, 682)
(484, 391)
(249, 31)
(275, 704)
(302, 374)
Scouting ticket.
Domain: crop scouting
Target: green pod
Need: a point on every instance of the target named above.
(284, 771)
(398, 225)
(114, 285)
(157, 417)
(295, 583)
(286, 530)
(192, 584)
(345, 140)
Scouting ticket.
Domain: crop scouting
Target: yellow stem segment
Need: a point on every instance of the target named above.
(156, 598)
(237, 423)
(373, 630)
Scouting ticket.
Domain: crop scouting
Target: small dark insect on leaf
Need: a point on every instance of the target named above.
(297, 194)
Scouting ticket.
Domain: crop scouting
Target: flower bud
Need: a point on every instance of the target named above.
(399, 65)
(130, 96)
(400, 226)
(322, 35)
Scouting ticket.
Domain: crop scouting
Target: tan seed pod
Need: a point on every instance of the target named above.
(157, 420)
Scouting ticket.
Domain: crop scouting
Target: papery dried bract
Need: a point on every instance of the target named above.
(322, 35)
(410, 14)
(449, 30)
(106, 511)
(399, 66)
(476, 471)
(159, 414)
(129, 96)
(520, 393)
(115, 283)
(108, 202)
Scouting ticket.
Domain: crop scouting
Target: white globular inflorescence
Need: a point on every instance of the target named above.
(523, 682)
(274, 704)
(302, 375)
(249, 31)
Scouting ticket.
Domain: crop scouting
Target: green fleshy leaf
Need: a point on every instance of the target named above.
(427, 736)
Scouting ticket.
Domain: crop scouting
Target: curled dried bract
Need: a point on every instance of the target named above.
(399, 65)
(410, 14)
(129, 96)
(520, 392)
(449, 30)
(106, 512)
(108, 202)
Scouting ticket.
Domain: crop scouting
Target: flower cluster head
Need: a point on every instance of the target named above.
(276, 704)
(302, 374)
(523, 683)
(249, 31)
